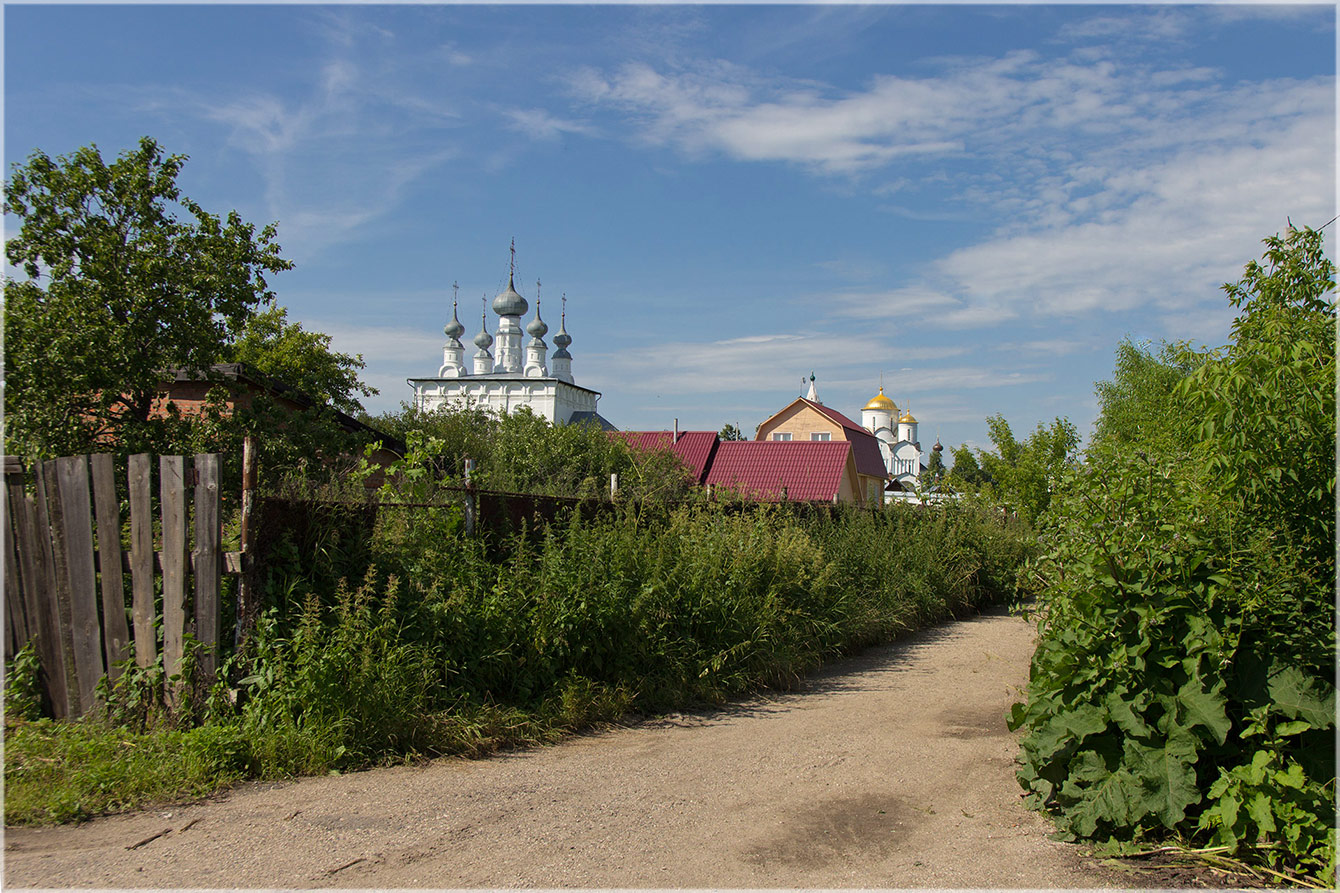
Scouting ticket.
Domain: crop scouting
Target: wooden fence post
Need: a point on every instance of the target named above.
(75, 526)
(172, 486)
(16, 616)
(64, 687)
(142, 558)
(245, 582)
(35, 559)
(115, 631)
(207, 562)
(28, 562)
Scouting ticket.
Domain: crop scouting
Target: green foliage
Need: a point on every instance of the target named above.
(935, 467)
(1020, 476)
(447, 645)
(23, 691)
(136, 699)
(125, 278)
(128, 281)
(301, 359)
(731, 432)
(70, 771)
(1141, 407)
(1183, 680)
(522, 452)
(1024, 475)
(966, 474)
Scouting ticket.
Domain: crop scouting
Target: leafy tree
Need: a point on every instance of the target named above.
(302, 359)
(1140, 405)
(1264, 409)
(935, 466)
(731, 432)
(1025, 474)
(966, 474)
(125, 278)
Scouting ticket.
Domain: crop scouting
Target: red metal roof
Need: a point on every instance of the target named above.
(764, 469)
(694, 448)
(864, 445)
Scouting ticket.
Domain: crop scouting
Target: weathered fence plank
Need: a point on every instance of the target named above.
(208, 616)
(74, 522)
(246, 582)
(16, 618)
(172, 489)
(22, 507)
(107, 508)
(64, 689)
(142, 558)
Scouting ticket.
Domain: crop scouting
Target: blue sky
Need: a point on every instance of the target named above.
(977, 202)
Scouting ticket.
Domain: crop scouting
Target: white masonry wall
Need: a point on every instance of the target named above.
(554, 400)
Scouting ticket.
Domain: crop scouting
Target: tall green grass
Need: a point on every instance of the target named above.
(417, 641)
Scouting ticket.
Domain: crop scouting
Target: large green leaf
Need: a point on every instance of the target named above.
(1167, 777)
(1199, 707)
(1069, 729)
(1299, 697)
(1111, 803)
(1122, 708)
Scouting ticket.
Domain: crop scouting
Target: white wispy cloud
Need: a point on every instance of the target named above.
(761, 363)
(754, 362)
(1089, 223)
(1054, 347)
(543, 125)
(1143, 24)
(341, 146)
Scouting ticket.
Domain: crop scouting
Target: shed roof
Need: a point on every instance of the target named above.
(771, 469)
(694, 448)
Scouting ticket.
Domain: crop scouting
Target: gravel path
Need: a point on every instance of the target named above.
(890, 769)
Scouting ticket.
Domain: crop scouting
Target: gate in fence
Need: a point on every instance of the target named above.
(65, 568)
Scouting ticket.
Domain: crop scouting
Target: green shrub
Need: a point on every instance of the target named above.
(1183, 679)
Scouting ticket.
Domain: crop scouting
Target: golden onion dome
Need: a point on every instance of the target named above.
(907, 418)
(880, 403)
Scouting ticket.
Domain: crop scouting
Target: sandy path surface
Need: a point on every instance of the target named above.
(890, 769)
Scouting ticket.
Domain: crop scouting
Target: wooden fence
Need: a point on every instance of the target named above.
(65, 569)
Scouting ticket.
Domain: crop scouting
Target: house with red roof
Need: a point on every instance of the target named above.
(806, 420)
(768, 471)
(800, 470)
(695, 449)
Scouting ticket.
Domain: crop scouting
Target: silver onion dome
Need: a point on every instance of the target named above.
(537, 327)
(563, 339)
(454, 329)
(509, 302)
(483, 340)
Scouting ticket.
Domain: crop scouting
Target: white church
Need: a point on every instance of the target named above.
(898, 444)
(510, 380)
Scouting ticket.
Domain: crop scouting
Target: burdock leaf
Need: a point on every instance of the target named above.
(1204, 708)
(1297, 696)
(1167, 775)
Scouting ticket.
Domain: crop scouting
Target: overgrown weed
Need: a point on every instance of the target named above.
(405, 640)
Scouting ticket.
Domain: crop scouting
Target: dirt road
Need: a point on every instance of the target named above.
(891, 769)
